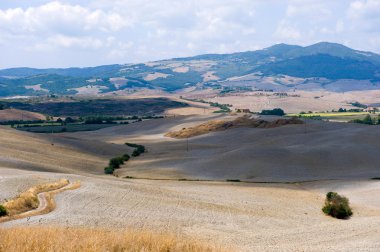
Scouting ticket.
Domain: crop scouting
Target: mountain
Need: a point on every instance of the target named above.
(270, 68)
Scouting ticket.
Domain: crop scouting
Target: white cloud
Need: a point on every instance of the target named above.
(122, 31)
(286, 31)
(56, 17)
(365, 15)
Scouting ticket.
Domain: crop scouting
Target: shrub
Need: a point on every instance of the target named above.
(116, 162)
(135, 153)
(366, 120)
(139, 149)
(3, 211)
(337, 206)
(126, 157)
(276, 111)
(108, 170)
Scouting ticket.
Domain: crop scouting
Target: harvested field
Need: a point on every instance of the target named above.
(18, 115)
(273, 208)
(234, 216)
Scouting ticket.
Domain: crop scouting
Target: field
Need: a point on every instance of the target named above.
(338, 116)
(19, 115)
(96, 106)
(81, 239)
(241, 189)
(64, 128)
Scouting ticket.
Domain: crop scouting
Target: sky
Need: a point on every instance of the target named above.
(73, 33)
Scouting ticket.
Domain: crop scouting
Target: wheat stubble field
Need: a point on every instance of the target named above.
(275, 207)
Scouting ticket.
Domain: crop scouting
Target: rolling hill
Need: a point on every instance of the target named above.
(327, 61)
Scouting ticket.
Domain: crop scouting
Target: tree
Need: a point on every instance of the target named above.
(367, 120)
(116, 162)
(126, 157)
(337, 206)
(69, 120)
(3, 211)
(108, 170)
(276, 111)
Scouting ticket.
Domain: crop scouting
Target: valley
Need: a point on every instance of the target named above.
(236, 152)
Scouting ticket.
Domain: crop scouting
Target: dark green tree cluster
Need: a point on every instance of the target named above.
(115, 163)
(367, 120)
(3, 211)
(276, 111)
(139, 149)
(337, 206)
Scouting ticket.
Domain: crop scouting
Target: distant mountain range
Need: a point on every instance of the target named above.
(319, 66)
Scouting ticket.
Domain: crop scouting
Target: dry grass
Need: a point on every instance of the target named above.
(220, 125)
(16, 114)
(27, 203)
(28, 200)
(45, 239)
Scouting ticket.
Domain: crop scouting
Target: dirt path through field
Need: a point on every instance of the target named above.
(46, 203)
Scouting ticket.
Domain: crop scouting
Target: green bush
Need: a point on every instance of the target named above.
(337, 206)
(366, 120)
(139, 149)
(116, 162)
(3, 211)
(135, 153)
(126, 157)
(276, 111)
(108, 170)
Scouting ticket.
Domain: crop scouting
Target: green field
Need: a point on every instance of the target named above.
(337, 116)
(65, 128)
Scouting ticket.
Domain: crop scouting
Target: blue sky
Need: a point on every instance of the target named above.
(38, 33)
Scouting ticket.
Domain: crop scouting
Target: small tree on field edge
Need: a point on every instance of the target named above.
(337, 206)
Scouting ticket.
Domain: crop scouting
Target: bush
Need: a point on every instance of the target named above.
(337, 206)
(139, 149)
(126, 157)
(276, 111)
(135, 153)
(108, 170)
(3, 211)
(367, 120)
(116, 162)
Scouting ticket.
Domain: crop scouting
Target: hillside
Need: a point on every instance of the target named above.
(319, 63)
(19, 115)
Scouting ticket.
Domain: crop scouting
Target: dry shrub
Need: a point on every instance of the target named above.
(220, 125)
(337, 206)
(28, 200)
(46, 239)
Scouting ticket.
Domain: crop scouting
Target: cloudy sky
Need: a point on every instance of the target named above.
(40, 33)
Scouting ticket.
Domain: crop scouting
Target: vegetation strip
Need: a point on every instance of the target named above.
(28, 203)
(231, 180)
(36, 239)
(116, 162)
(221, 125)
